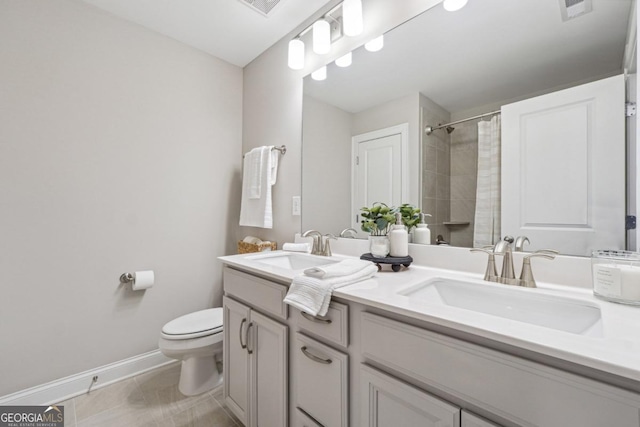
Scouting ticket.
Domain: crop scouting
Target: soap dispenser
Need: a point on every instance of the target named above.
(422, 234)
(398, 238)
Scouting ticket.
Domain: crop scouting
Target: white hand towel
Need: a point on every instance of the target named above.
(342, 268)
(296, 247)
(274, 164)
(252, 171)
(313, 295)
(258, 212)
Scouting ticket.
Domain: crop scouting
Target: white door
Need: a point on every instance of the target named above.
(563, 179)
(380, 169)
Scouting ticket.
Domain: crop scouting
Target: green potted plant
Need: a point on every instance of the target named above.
(410, 216)
(377, 220)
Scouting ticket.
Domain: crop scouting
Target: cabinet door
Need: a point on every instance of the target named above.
(470, 420)
(236, 358)
(388, 402)
(321, 381)
(268, 348)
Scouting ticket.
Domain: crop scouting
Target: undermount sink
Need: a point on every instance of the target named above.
(291, 261)
(523, 305)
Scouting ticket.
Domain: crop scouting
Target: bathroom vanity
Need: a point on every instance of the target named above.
(407, 349)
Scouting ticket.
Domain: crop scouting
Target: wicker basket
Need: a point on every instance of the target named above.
(245, 248)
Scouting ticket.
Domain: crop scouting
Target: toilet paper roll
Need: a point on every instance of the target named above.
(142, 280)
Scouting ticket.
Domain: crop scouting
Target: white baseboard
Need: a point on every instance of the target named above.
(74, 385)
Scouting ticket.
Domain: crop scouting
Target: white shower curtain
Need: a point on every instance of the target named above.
(487, 218)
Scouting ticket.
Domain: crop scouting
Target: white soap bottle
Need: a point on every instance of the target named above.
(398, 238)
(422, 234)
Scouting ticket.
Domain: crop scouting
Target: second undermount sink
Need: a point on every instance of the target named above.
(523, 305)
(291, 261)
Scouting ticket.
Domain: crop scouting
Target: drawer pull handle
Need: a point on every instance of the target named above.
(315, 319)
(249, 350)
(243, 345)
(314, 357)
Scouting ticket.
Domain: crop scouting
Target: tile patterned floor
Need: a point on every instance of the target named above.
(148, 400)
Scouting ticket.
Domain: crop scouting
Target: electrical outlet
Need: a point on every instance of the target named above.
(295, 205)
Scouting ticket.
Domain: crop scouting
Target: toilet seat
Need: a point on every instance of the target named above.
(194, 325)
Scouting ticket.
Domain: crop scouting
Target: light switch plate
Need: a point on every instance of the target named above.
(295, 205)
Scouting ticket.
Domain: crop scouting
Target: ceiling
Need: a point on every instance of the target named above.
(227, 29)
(489, 51)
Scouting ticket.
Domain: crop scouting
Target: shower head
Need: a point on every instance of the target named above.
(450, 129)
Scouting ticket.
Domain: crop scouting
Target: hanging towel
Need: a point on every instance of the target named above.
(257, 211)
(313, 295)
(342, 268)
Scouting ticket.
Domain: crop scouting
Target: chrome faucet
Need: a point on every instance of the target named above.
(352, 232)
(507, 275)
(318, 247)
(519, 244)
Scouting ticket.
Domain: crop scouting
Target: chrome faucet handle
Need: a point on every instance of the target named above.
(317, 248)
(491, 274)
(526, 276)
(327, 247)
(519, 244)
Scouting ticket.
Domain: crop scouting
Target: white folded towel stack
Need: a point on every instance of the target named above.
(296, 247)
(342, 268)
(313, 295)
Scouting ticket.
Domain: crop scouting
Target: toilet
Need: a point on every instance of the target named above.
(196, 340)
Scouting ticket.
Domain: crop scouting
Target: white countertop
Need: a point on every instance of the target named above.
(614, 348)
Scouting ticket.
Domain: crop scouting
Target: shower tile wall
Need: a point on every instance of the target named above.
(464, 170)
(436, 183)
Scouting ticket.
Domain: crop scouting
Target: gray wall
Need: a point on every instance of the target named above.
(120, 150)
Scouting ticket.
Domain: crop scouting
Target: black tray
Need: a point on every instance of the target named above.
(396, 261)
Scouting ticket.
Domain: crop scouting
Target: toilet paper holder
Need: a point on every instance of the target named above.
(127, 278)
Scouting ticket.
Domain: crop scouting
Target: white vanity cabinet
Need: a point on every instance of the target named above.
(255, 351)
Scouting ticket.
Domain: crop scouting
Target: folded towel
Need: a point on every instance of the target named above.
(342, 268)
(313, 295)
(258, 212)
(296, 247)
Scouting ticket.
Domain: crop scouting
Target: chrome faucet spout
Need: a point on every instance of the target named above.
(318, 247)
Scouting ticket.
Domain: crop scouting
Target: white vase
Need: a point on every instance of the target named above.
(379, 246)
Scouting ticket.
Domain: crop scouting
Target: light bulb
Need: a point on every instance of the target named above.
(321, 37)
(296, 54)
(375, 44)
(320, 73)
(345, 60)
(453, 5)
(352, 17)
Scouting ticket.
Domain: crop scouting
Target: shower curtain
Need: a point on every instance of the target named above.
(487, 216)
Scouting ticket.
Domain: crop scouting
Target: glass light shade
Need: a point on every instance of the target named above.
(345, 60)
(321, 37)
(375, 44)
(453, 5)
(352, 17)
(296, 54)
(320, 73)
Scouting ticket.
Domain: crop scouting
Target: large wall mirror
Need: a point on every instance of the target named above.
(446, 67)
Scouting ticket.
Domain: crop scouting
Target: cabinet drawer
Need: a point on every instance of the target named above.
(518, 390)
(304, 420)
(259, 293)
(334, 326)
(321, 381)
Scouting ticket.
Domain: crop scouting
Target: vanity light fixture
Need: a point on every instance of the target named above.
(320, 74)
(350, 23)
(375, 44)
(453, 5)
(321, 37)
(296, 54)
(352, 17)
(345, 60)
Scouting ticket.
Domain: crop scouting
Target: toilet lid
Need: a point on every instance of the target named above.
(200, 323)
